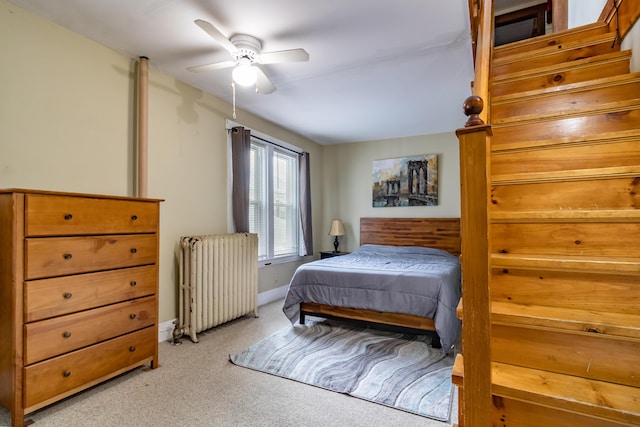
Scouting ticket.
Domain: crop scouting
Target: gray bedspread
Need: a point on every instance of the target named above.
(400, 279)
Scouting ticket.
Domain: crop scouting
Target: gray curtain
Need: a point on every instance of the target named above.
(305, 202)
(241, 163)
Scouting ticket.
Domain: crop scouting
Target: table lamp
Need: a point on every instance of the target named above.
(337, 229)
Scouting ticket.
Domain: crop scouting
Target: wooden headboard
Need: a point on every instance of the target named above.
(439, 233)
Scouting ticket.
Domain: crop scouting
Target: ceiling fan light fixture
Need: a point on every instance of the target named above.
(245, 51)
(244, 73)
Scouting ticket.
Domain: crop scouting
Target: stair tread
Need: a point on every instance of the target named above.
(457, 373)
(631, 134)
(599, 398)
(567, 175)
(610, 107)
(595, 26)
(582, 215)
(573, 319)
(562, 67)
(551, 50)
(568, 88)
(628, 266)
(609, 400)
(613, 117)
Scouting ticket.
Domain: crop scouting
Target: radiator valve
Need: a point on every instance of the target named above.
(178, 332)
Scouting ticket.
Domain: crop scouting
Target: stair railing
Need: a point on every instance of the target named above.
(621, 15)
(474, 141)
(482, 53)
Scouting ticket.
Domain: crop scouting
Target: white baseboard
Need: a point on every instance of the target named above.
(272, 295)
(165, 329)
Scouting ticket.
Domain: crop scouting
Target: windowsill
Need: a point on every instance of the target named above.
(279, 260)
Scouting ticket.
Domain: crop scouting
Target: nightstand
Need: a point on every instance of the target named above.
(331, 254)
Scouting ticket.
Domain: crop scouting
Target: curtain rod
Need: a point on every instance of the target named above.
(277, 145)
(272, 143)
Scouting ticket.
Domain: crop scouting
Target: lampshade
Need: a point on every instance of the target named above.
(337, 228)
(244, 73)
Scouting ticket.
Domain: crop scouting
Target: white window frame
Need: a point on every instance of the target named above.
(272, 143)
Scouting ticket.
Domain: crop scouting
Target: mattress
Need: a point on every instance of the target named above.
(398, 279)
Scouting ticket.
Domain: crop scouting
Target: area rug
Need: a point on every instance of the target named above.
(392, 369)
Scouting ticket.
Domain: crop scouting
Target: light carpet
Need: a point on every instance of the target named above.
(392, 369)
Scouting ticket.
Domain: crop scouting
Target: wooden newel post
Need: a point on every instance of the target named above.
(472, 107)
(476, 307)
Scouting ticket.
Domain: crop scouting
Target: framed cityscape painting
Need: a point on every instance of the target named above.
(406, 181)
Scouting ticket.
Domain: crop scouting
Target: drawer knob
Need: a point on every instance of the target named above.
(67, 295)
(132, 348)
(68, 217)
(132, 316)
(134, 250)
(66, 334)
(134, 217)
(133, 283)
(66, 374)
(68, 256)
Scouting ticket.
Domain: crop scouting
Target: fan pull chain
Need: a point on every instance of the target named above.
(233, 87)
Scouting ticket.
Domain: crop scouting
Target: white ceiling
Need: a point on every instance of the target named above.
(377, 69)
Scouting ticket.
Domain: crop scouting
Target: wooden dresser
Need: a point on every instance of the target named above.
(78, 293)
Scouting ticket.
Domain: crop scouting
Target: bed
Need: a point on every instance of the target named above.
(406, 273)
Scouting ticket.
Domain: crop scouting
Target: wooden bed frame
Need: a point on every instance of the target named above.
(439, 233)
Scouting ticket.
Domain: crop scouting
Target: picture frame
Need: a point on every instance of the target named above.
(405, 181)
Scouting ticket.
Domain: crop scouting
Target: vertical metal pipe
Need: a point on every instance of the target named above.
(142, 125)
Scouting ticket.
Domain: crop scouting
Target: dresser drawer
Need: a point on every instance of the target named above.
(50, 215)
(57, 256)
(79, 369)
(52, 337)
(63, 295)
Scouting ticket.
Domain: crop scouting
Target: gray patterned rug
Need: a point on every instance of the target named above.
(400, 371)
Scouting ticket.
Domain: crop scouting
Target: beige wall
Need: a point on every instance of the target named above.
(632, 41)
(348, 182)
(65, 115)
(583, 12)
(67, 124)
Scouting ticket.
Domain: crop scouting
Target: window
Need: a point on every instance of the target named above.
(273, 201)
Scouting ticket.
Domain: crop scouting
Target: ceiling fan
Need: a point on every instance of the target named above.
(246, 53)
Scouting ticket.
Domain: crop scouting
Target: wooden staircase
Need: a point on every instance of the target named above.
(564, 228)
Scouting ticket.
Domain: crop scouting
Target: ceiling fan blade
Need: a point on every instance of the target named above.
(211, 67)
(292, 55)
(216, 35)
(263, 84)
